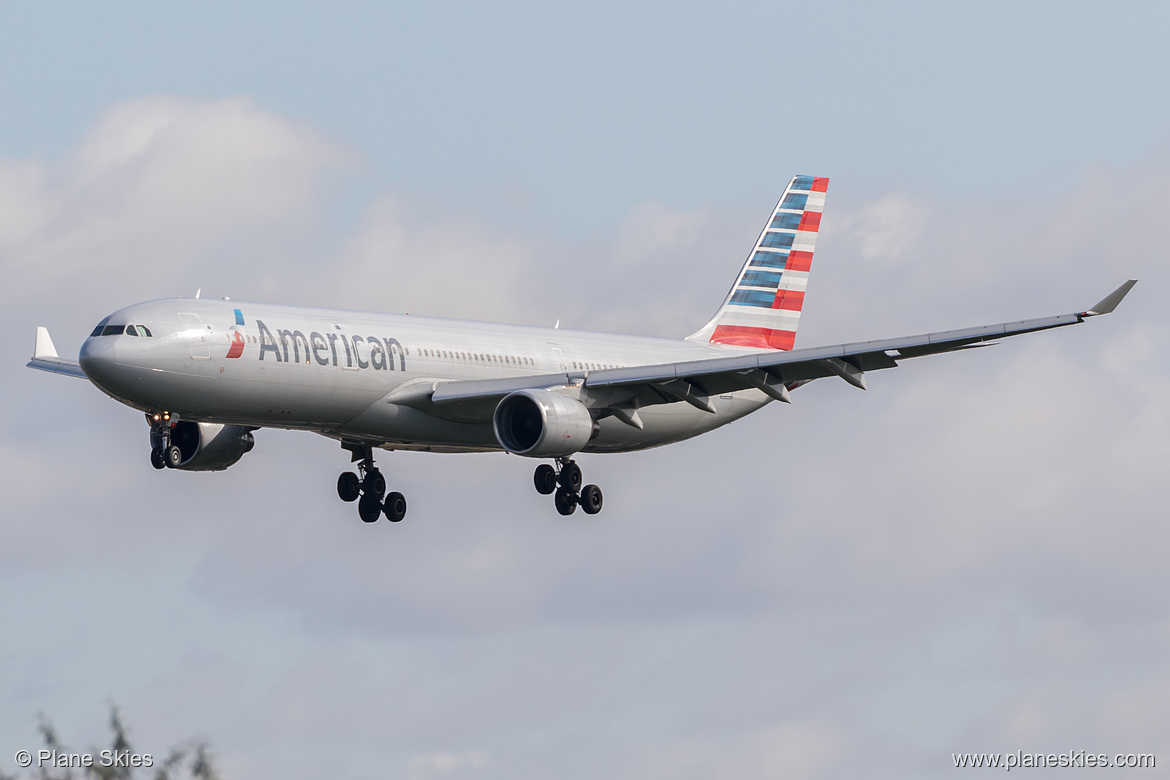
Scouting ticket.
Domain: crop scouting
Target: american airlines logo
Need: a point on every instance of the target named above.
(329, 348)
(237, 330)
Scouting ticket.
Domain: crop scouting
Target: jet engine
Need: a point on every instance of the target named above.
(210, 447)
(542, 424)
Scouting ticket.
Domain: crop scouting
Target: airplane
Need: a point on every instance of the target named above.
(207, 373)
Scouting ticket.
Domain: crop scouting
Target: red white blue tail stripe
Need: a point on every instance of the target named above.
(763, 309)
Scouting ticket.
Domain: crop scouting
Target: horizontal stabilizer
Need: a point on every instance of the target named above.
(45, 357)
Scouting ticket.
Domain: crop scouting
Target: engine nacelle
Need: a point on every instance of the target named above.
(210, 447)
(542, 424)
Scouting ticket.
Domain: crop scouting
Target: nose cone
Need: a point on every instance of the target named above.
(98, 361)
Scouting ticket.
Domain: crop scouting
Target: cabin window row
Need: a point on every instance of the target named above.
(482, 357)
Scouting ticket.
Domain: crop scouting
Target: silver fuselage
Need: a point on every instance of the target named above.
(349, 375)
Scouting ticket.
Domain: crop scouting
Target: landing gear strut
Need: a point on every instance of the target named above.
(163, 454)
(369, 489)
(566, 485)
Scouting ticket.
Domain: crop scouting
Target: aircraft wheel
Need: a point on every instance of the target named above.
(374, 484)
(173, 456)
(566, 501)
(395, 507)
(545, 479)
(591, 499)
(158, 458)
(348, 486)
(369, 509)
(571, 476)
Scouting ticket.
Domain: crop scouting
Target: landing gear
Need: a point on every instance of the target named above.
(369, 508)
(545, 479)
(566, 501)
(395, 507)
(369, 488)
(570, 476)
(349, 487)
(591, 499)
(163, 454)
(566, 484)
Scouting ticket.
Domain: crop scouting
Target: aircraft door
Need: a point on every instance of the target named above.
(560, 356)
(346, 357)
(196, 334)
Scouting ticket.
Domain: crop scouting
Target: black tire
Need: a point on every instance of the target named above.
(157, 458)
(348, 486)
(395, 507)
(591, 499)
(545, 479)
(173, 457)
(566, 501)
(374, 484)
(369, 509)
(570, 476)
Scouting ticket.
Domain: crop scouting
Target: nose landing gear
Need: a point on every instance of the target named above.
(163, 454)
(369, 490)
(566, 485)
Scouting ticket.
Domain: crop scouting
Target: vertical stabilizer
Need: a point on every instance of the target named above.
(763, 308)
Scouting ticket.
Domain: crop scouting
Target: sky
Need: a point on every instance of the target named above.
(968, 557)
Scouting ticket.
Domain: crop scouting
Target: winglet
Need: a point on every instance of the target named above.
(1110, 301)
(44, 346)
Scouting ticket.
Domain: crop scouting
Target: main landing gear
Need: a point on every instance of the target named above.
(566, 487)
(369, 490)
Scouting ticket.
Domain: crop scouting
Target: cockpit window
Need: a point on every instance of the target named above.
(113, 330)
(98, 330)
(143, 330)
(131, 330)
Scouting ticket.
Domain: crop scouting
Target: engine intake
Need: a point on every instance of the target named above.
(542, 424)
(210, 447)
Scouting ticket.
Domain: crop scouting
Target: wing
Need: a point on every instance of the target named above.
(45, 357)
(622, 391)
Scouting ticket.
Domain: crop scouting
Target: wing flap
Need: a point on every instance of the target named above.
(56, 366)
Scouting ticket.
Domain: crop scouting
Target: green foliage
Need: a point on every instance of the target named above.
(188, 760)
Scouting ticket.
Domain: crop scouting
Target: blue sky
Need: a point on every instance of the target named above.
(551, 115)
(967, 557)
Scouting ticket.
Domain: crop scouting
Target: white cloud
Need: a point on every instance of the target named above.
(151, 193)
(445, 763)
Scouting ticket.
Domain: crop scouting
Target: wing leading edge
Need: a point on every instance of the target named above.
(774, 373)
